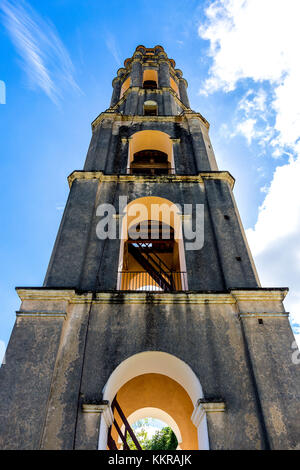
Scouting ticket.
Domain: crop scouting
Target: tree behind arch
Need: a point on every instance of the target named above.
(164, 439)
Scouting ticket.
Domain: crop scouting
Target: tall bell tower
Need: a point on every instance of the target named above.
(151, 305)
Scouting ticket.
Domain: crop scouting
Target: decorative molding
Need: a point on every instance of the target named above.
(102, 408)
(206, 406)
(131, 297)
(137, 59)
(84, 175)
(95, 408)
(260, 295)
(219, 175)
(162, 299)
(22, 314)
(45, 294)
(101, 177)
(213, 407)
(113, 114)
(264, 314)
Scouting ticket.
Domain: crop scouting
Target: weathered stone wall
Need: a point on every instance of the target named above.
(193, 152)
(83, 261)
(65, 363)
(25, 381)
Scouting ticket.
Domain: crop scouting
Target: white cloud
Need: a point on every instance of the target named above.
(253, 102)
(252, 119)
(111, 44)
(247, 129)
(275, 240)
(44, 57)
(258, 41)
(279, 215)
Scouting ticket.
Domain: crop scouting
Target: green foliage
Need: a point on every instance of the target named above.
(142, 437)
(164, 439)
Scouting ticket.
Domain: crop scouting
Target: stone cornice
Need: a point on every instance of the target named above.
(162, 299)
(264, 315)
(34, 314)
(27, 293)
(85, 175)
(101, 177)
(212, 406)
(103, 408)
(130, 297)
(115, 116)
(112, 113)
(95, 408)
(260, 295)
(206, 406)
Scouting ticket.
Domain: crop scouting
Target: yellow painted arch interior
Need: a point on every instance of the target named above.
(125, 86)
(150, 75)
(159, 391)
(152, 208)
(174, 85)
(151, 140)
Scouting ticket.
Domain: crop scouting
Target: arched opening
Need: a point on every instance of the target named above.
(166, 397)
(154, 414)
(152, 254)
(125, 86)
(150, 162)
(150, 79)
(150, 108)
(150, 152)
(174, 86)
(159, 385)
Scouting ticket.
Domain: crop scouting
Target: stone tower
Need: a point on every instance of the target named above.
(160, 308)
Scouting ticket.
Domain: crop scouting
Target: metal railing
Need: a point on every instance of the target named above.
(144, 281)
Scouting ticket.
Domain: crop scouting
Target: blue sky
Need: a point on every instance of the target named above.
(58, 59)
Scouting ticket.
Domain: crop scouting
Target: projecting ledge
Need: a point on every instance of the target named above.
(102, 408)
(232, 296)
(95, 408)
(203, 407)
(155, 179)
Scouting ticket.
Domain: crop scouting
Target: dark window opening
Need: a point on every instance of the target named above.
(150, 108)
(152, 232)
(260, 321)
(150, 111)
(150, 85)
(150, 162)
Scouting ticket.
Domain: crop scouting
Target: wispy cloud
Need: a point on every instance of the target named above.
(111, 44)
(256, 42)
(45, 59)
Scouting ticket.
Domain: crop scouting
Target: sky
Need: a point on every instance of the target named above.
(58, 59)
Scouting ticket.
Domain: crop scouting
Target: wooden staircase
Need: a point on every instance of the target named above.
(111, 444)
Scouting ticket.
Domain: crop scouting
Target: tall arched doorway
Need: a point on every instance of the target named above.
(152, 256)
(158, 380)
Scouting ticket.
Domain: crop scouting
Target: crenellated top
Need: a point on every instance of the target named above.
(149, 54)
(150, 69)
